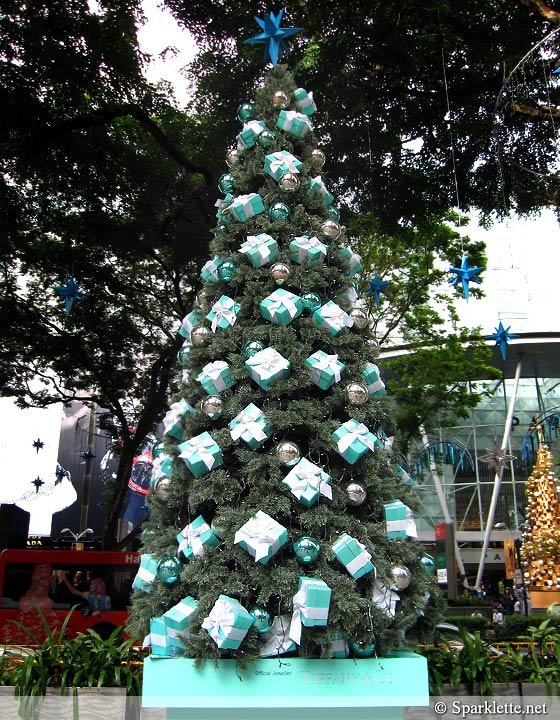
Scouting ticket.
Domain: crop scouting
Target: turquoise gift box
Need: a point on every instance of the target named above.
(163, 643)
(189, 322)
(195, 538)
(267, 367)
(281, 307)
(354, 261)
(172, 421)
(248, 136)
(304, 102)
(261, 536)
(375, 386)
(178, 617)
(353, 440)
(279, 163)
(276, 641)
(228, 623)
(333, 317)
(261, 249)
(316, 185)
(209, 272)
(339, 647)
(201, 454)
(294, 122)
(308, 250)
(311, 606)
(146, 574)
(353, 555)
(224, 313)
(251, 426)
(325, 369)
(399, 520)
(216, 377)
(244, 207)
(308, 481)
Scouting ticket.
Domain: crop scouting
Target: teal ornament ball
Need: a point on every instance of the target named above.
(263, 620)
(158, 449)
(428, 563)
(168, 570)
(252, 347)
(333, 213)
(278, 211)
(226, 270)
(245, 112)
(225, 183)
(183, 355)
(361, 649)
(311, 301)
(266, 139)
(306, 550)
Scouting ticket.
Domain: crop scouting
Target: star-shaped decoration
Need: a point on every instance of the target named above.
(70, 292)
(37, 482)
(273, 35)
(502, 336)
(466, 275)
(376, 287)
(60, 473)
(87, 455)
(496, 457)
(38, 444)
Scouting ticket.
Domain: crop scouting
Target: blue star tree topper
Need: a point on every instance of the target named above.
(502, 336)
(273, 35)
(376, 287)
(70, 292)
(465, 274)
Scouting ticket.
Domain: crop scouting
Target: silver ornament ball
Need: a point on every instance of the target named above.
(357, 393)
(331, 229)
(280, 100)
(212, 406)
(200, 335)
(400, 577)
(279, 272)
(201, 299)
(318, 158)
(360, 318)
(288, 453)
(161, 487)
(356, 494)
(232, 158)
(289, 182)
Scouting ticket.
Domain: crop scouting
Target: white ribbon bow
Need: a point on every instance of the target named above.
(361, 559)
(304, 244)
(280, 159)
(291, 116)
(280, 302)
(220, 621)
(223, 311)
(191, 536)
(211, 267)
(247, 420)
(327, 362)
(263, 530)
(385, 599)
(202, 447)
(300, 609)
(214, 371)
(336, 315)
(355, 432)
(306, 478)
(270, 361)
(259, 243)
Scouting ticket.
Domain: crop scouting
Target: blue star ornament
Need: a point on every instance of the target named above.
(273, 35)
(466, 275)
(502, 336)
(70, 292)
(38, 444)
(376, 287)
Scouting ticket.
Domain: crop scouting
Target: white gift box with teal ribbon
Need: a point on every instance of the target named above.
(261, 249)
(304, 102)
(209, 272)
(281, 307)
(325, 369)
(317, 185)
(400, 520)
(311, 606)
(146, 574)
(251, 426)
(308, 250)
(172, 420)
(339, 647)
(277, 640)
(189, 322)
(403, 475)
(261, 537)
(267, 367)
(333, 317)
(353, 440)
(164, 642)
(353, 555)
(308, 481)
(201, 454)
(223, 313)
(248, 136)
(228, 623)
(196, 538)
(244, 207)
(294, 122)
(215, 377)
(354, 261)
(178, 618)
(375, 386)
(385, 599)
(279, 163)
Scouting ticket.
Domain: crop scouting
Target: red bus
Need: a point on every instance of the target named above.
(31, 579)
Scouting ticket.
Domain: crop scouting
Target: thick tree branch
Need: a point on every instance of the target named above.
(547, 12)
(532, 112)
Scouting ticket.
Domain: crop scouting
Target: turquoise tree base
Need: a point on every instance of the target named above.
(287, 689)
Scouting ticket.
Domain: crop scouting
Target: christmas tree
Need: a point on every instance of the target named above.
(280, 522)
(540, 549)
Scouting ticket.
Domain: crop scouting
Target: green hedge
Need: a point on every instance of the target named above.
(469, 623)
(517, 625)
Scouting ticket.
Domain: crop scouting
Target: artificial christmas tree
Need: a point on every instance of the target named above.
(540, 549)
(277, 488)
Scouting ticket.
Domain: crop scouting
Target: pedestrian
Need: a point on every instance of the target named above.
(497, 616)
